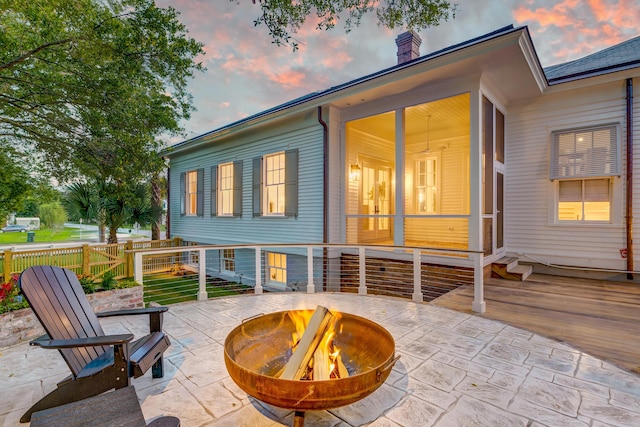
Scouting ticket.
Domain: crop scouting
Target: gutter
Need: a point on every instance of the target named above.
(629, 210)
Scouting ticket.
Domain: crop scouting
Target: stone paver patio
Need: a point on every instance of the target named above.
(455, 369)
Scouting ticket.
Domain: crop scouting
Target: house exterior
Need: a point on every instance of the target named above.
(474, 147)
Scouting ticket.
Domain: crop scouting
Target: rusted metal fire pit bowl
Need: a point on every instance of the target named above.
(256, 350)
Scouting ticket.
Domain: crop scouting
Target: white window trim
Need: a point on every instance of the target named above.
(265, 199)
(585, 174)
(223, 258)
(189, 192)
(616, 214)
(270, 282)
(616, 186)
(438, 185)
(220, 195)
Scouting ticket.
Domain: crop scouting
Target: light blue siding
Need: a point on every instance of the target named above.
(301, 132)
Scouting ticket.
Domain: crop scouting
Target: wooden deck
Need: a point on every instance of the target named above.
(601, 318)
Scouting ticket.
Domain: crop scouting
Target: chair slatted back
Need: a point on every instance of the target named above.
(59, 302)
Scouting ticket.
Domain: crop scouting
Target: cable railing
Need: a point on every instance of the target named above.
(199, 272)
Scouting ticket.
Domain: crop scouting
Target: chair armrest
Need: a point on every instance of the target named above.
(155, 315)
(133, 311)
(83, 342)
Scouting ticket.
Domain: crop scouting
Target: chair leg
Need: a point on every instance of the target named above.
(157, 370)
(67, 392)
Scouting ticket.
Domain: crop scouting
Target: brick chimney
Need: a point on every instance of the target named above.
(408, 46)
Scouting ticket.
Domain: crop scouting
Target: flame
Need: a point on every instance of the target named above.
(328, 352)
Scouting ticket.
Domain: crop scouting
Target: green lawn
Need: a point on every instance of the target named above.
(171, 289)
(47, 235)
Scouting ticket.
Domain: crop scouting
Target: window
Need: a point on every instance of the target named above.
(584, 200)
(584, 153)
(275, 184)
(226, 189)
(426, 186)
(583, 165)
(276, 268)
(274, 180)
(228, 260)
(192, 194)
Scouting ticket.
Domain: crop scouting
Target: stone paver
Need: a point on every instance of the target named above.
(455, 369)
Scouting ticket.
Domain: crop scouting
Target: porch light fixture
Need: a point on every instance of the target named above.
(354, 172)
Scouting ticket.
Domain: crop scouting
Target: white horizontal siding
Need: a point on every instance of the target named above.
(529, 229)
(303, 133)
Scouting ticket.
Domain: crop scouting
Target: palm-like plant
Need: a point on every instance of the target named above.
(111, 205)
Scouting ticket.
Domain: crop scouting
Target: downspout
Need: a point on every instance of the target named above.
(325, 195)
(629, 212)
(168, 225)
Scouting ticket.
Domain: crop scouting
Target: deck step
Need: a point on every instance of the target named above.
(508, 268)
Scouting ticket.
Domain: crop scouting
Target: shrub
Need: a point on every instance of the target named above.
(109, 280)
(10, 298)
(88, 283)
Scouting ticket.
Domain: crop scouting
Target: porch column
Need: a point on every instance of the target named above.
(202, 275)
(310, 285)
(398, 218)
(475, 198)
(258, 288)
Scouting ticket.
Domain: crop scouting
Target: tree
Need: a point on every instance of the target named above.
(14, 183)
(283, 18)
(42, 192)
(52, 215)
(110, 205)
(88, 80)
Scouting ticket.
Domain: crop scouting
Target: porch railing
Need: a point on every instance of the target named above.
(204, 271)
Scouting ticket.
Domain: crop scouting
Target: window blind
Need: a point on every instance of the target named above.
(584, 153)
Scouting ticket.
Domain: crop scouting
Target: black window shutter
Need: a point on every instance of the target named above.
(214, 190)
(291, 183)
(237, 188)
(200, 193)
(257, 186)
(183, 193)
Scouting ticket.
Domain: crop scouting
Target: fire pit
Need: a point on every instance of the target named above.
(256, 351)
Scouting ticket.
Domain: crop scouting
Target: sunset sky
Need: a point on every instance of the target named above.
(247, 74)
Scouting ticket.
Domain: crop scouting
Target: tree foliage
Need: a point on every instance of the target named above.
(284, 18)
(14, 184)
(90, 84)
(52, 215)
(111, 205)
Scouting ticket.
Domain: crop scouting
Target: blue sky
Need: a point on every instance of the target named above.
(246, 73)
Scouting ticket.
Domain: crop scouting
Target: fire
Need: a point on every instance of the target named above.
(322, 362)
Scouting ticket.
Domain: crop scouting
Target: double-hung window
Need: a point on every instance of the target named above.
(228, 260)
(276, 268)
(584, 163)
(226, 189)
(275, 184)
(426, 186)
(192, 192)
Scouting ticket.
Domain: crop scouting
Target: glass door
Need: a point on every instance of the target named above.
(376, 201)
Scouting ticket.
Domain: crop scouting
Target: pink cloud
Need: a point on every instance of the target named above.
(580, 28)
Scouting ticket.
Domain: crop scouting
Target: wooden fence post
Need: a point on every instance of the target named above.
(86, 258)
(128, 259)
(177, 241)
(7, 266)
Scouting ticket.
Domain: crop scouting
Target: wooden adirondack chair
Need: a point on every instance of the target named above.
(98, 362)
